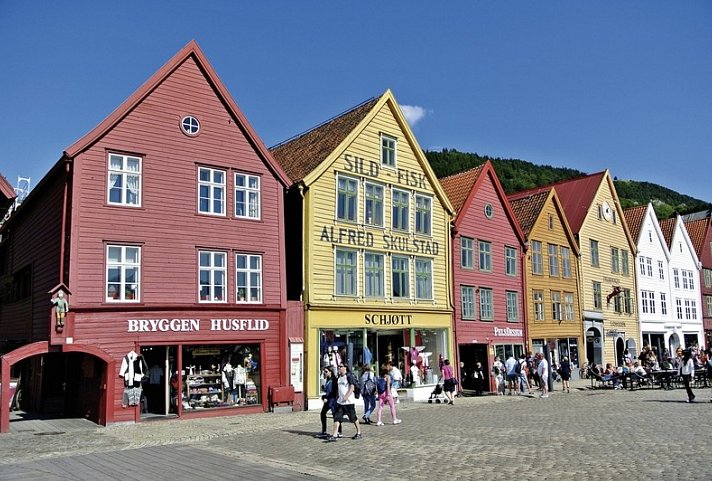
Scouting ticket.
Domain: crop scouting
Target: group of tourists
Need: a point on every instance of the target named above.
(342, 388)
(519, 376)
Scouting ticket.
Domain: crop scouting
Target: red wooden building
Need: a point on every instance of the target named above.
(163, 227)
(487, 248)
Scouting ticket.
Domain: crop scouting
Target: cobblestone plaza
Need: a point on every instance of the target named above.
(587, 434)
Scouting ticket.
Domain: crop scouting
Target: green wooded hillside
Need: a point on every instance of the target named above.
(516, 175)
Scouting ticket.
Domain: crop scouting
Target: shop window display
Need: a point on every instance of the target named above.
(221, 376)
(417, 353)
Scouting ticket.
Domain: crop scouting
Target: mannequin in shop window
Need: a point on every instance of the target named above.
(228, 380)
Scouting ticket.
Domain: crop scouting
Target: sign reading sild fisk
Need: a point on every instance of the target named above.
(187, 325)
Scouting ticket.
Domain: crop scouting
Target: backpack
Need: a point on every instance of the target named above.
(518, 368)
(369, 386)
(381, 385)
(357, 386)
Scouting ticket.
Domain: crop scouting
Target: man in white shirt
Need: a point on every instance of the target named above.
(512, 374)
(345, 403)
(542, 370)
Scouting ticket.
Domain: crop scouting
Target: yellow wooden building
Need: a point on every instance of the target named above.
(551, 270)
(607, 283)
(368, 232)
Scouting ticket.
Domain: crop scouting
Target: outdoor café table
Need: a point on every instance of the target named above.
(664, 377)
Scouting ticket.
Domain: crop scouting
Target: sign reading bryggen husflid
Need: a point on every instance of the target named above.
(375, 233)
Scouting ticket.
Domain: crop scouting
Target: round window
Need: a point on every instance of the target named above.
(190, 125)
(489, 211)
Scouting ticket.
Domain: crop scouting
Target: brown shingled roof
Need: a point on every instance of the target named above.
(668, 228)
(634, 217)
(697, 230)
(302, 154)
(457, 187)
(527, 208)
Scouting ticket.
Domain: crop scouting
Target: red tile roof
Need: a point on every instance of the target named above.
(634, 217)
(7, 194)
(668, 228)
(576, 196)
(527, 208)
(697, 230)
(302, 154)
(457, 187)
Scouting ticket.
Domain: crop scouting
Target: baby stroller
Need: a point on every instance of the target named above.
(437, 395)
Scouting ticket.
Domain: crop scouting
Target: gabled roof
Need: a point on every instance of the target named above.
(7, 195)
(301, 154)
(458, 186)
(697, 230)
(667, 226)
(678, 225)
(464, 187)
(308, 155)
(190, 50)
(634, 217)
(527, 208)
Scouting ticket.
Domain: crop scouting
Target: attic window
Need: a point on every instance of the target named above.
(489, 211)
(190, 125)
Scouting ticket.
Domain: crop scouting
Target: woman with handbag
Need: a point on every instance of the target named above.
(449, 382)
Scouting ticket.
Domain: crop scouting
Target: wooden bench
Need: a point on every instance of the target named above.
(280, 395)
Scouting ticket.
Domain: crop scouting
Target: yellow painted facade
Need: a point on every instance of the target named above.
(604, 227)
(351, 248)
(565, 333)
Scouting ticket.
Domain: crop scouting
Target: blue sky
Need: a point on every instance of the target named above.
(588, 85)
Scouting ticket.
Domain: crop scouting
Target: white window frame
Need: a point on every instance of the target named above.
(708, 300)
(568, 306)
(510, 261)
(556, 311)
(423, 214)
(211, 268)
(484, 256)
(676, 277)
(512, 306)
(661, 270)
(251, 189)
(213, 186)
(486, 304)
(595, 260)
(252, 284)
(615, 260)
(553, 251)
(663, 304)
(375, 204)
(124, 174)
(345, 197)
(538, 298)
(678, 307)
(649, 266)
(565, 262)
(625, 269)
(389, 151)
(124, 266)
(597, 296)
(467, 252)
(374, 276)
(537, 258)
(349, 272)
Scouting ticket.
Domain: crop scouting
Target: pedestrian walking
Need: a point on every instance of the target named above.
(383, 387)
(497, 369)
(565, 372)
(479, 378)
(524, 375)
(542, 370)
(345, 402)
(331, 392)
(449, 382)
(687, 370)
(368, 393)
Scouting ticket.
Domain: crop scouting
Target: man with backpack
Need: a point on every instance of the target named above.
(345, 403)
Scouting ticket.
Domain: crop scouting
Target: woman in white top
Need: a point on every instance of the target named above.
(687, 370)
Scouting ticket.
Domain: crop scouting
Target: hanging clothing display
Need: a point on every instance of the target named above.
(133, 368)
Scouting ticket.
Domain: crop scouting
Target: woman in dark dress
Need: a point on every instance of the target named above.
(565, 372)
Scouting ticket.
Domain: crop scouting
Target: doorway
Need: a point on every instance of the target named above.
(161, 361)
(470, 354)
(594, 346)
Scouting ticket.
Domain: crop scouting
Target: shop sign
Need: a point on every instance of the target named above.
(388, 319)
(394, 243)
(672, 327)
(188, 325)
(508, 332)
(613, 333)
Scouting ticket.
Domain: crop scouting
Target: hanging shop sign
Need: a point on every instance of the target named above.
(188, 325)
